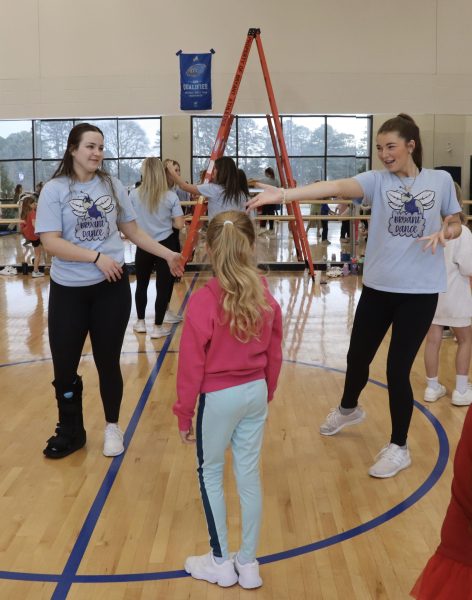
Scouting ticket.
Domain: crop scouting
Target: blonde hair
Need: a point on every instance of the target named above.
(230, 239)
(154, 183)
(460, 199)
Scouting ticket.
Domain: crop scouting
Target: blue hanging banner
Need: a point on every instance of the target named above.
(195, 81)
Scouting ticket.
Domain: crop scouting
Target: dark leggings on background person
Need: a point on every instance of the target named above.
(144, 264)
(101, 310)
(410, 316)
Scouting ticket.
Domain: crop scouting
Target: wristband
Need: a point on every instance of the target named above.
(284, 195)
(97, 257)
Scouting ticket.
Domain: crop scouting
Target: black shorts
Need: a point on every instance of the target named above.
(35, 243)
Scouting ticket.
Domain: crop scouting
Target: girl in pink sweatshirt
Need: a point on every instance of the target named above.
(230, 358)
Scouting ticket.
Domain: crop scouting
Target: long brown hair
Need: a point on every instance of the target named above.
(407, 129)
(231, 238)
(228, 176)
(27, 206)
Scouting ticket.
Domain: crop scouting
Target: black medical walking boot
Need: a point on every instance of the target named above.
(70, 434)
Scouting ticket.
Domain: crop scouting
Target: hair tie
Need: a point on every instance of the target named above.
(228, 223)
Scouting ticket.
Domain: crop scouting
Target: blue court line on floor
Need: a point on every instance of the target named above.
(431, 480)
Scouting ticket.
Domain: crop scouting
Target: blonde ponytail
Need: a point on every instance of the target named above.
(231, 239)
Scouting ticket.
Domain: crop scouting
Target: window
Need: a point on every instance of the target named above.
(318, 146)
(30, 151)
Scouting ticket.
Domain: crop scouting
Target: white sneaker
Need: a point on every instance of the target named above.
(389, 461)
(172, 317)
(335, 421)
(140, 326)
(159, 331)
(464, 399)
(248, 574)
(113, 440)
(8, 271)
(205, 567)
(35, 274)
(433, 394)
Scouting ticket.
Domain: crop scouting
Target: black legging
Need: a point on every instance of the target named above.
(410, 316)
(144, 263)
(269, 210)
(101, 310)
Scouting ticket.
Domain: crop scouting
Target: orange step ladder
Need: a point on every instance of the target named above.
(280, 152)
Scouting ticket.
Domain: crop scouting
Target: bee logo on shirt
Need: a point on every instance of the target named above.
(92, 222)
(407, 218)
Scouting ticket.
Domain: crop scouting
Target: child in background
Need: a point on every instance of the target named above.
(28, 217)
(454, 310)
(230, 354)
(224, 193)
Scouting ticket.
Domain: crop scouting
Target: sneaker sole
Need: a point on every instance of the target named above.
(220, 583)
(388, 475)
(355, 422)
(460, 403)
(111, 455)
(435, 398)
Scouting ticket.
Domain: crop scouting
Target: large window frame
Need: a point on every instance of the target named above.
(40, 165)
(323, 161)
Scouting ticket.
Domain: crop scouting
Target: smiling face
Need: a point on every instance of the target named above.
(395, 154)
(88, 155)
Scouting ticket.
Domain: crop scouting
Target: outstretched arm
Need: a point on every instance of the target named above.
(346, 188)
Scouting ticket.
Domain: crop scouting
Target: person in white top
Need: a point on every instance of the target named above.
(454, 310)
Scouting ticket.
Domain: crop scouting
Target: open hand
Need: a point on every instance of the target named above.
(439, 237)
(270, 195)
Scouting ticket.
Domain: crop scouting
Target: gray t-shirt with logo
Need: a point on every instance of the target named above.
(86, 215)
(404, 210)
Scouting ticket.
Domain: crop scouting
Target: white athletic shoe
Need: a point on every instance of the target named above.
(433, 394)
(205, 567)
(335, 421)
(464, 399)
(248, 574)
(172, 317)
(9, 270)
(35, 274)
(113, 440)
(159, 331)
(140, 326)
(389, 461)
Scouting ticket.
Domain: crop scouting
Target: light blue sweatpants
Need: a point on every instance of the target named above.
(233, 416)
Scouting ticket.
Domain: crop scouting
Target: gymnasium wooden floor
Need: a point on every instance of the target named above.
(91, 528)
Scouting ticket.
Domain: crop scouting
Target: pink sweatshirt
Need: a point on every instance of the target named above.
(211, 359)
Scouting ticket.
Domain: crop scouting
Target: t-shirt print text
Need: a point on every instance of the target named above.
(92, 223)
(408, 212)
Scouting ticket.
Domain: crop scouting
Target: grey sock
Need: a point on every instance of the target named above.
(346, 411)
(219, 559)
